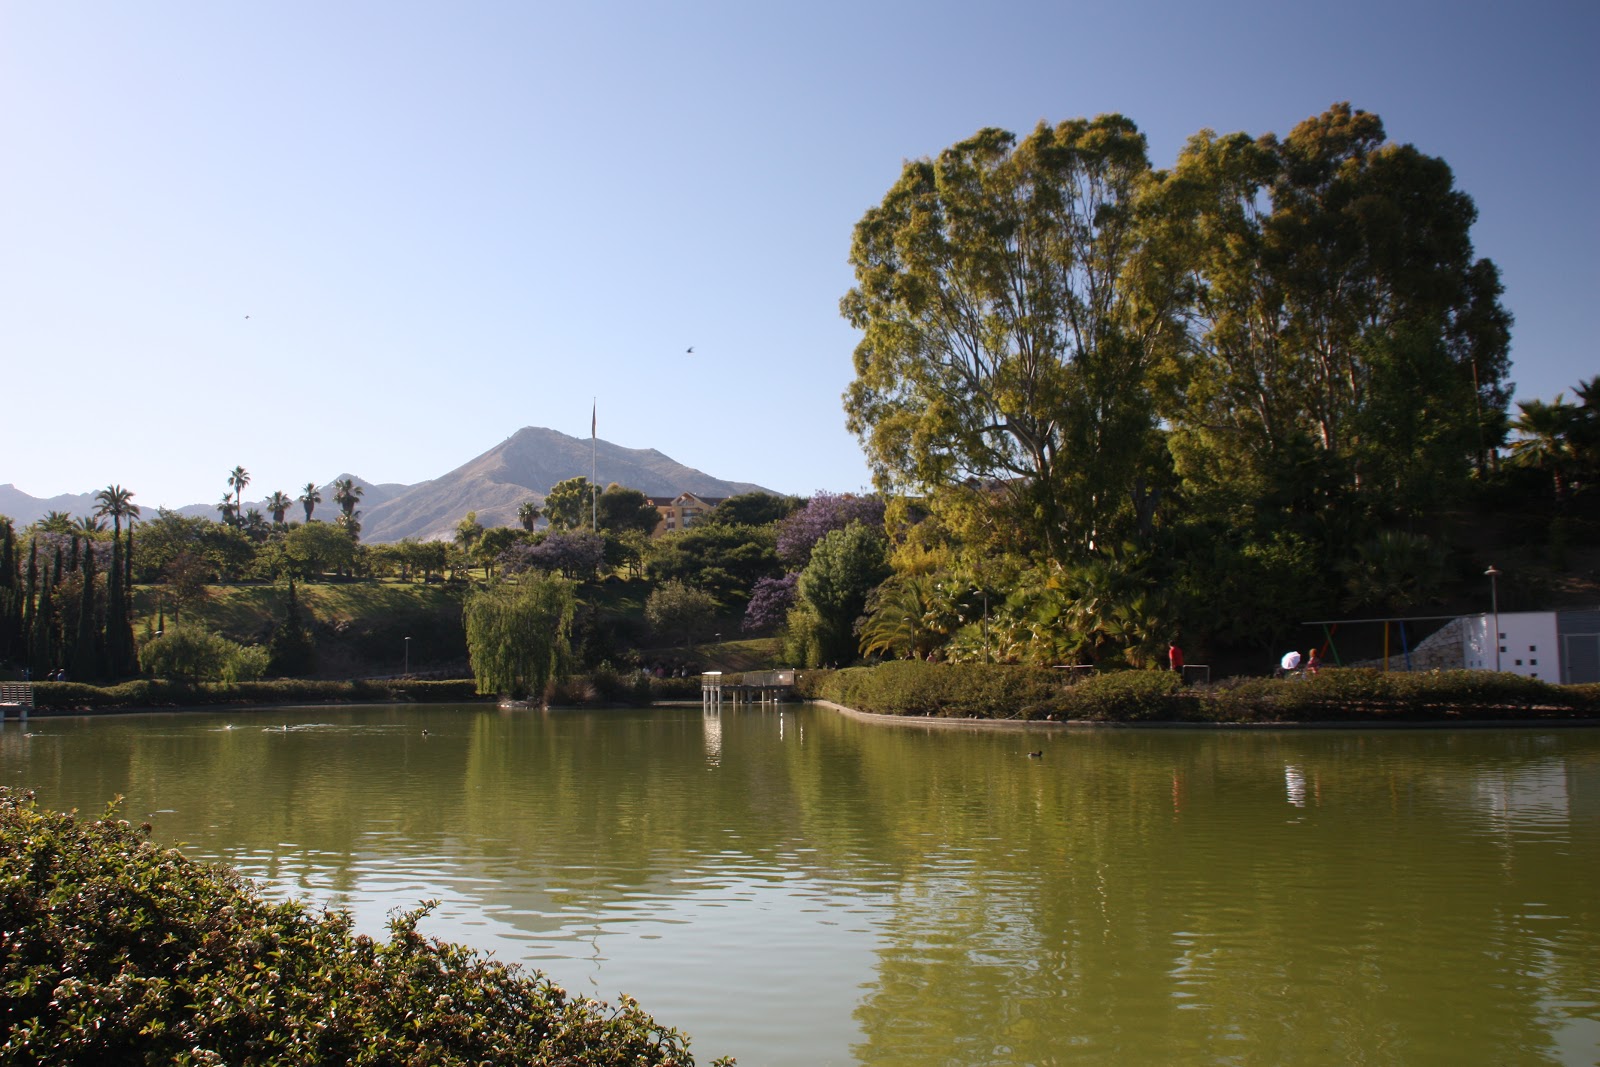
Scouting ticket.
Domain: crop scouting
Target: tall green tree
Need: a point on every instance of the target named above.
(1013, 310)
(569, 504)
(291, 652)
(121, 653)
(11, 592)
(519, 635)
(85, 657)
(845, 567)
(1348, 341)
(680, 613)
(622, 509)
(753, 509)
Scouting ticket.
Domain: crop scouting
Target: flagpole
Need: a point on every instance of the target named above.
(594, 464)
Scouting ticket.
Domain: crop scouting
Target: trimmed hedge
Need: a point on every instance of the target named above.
(159, 693)
(1015, 692)
(946, 690)
(113, 950)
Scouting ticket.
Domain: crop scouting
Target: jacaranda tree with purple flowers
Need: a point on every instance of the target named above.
(824, 513)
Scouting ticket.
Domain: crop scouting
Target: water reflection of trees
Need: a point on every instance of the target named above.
(1172, 902)
(1132, 895)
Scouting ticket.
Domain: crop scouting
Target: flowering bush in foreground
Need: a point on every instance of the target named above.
(116, 951)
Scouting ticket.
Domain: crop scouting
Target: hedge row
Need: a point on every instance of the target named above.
(157, 693)
(991, 691)
(113, 950)
(603, 686)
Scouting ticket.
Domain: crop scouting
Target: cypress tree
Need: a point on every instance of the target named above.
(10, 594)
(46, 648)
(86, 650)
(29, 591)
(112, 641)
(130, 651)
(290, 651)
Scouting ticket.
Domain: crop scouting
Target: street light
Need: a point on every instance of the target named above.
(1494, 603)
(407, 671)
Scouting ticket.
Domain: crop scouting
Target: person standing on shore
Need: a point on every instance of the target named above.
(1175, 659)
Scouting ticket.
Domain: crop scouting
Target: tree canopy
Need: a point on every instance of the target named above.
(518, 634)
(1108, 393)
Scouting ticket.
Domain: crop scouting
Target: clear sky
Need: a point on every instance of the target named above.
(379, 237)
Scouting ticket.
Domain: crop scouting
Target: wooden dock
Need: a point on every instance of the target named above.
(753, 687)
(17, 695)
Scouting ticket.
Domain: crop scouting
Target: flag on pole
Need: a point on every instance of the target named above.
(594, 419)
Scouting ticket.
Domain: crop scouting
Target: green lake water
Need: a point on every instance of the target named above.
(794, 887)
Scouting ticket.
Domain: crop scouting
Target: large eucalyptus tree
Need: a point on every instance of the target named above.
(1014, 307)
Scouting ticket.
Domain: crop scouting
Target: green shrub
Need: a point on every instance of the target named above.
(245, 663)
(188, 653)
(163, 693)
(1125, 696)
(1365, 694)
(117, 951)
(675, 688)
(1361, 695)
(949, 690)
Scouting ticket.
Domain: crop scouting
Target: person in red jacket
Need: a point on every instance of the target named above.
(1175, 658)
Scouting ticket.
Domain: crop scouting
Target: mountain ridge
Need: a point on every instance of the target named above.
(495, 484)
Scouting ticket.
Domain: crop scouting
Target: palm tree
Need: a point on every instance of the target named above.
(468, 530)
(255, 525)
(279, 504)
(310, 498)
(59, 522)
(350, 523)
(116, 502)
(228, 508)
(238, 478)
(346, 493)
(528, 514)
(1546, 443)
(88, 525)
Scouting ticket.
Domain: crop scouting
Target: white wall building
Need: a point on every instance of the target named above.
(1557, 646)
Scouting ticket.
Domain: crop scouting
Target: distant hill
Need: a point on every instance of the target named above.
(523, 467)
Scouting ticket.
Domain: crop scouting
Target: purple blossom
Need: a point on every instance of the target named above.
(826, 512)
(576, 555)
(770, 601)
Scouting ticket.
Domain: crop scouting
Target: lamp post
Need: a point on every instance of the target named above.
(407, 670)
(1494, 605)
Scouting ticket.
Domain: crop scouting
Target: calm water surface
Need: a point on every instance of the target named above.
(792, 887)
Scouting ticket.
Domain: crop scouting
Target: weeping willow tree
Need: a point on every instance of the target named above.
(518, 633)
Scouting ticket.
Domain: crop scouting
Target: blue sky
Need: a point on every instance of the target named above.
(449, 221)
